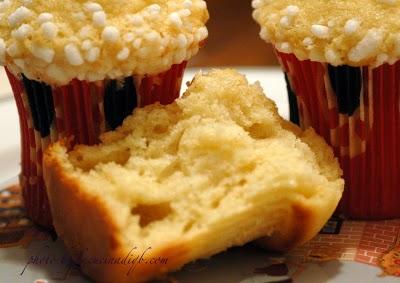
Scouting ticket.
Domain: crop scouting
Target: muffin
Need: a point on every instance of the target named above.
(78, 68)
(341, 62)
(217, 168)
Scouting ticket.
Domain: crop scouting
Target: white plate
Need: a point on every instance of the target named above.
(10, 140)
(5, 88)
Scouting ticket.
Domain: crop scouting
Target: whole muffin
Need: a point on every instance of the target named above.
(78, 68)
(341, 60)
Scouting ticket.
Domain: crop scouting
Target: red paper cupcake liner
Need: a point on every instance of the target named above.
(81, 109)
(163, 88)
(357, 111)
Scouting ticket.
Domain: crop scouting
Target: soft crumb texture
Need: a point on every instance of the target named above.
(93, 40)
(340, 32)
(217, 168)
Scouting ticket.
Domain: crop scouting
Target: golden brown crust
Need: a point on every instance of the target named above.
(302, 224)
(78, 216)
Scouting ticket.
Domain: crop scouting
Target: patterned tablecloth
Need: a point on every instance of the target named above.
(344, 251)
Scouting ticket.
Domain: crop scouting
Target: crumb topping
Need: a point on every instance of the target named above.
(356, 33)
(55, 41)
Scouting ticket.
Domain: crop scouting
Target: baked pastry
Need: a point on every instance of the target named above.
(341, 60)
(80, 67)
(217, 168)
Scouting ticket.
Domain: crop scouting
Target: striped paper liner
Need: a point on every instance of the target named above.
(79, 110)
(357, 111)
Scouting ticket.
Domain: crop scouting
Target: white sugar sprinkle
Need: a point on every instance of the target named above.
(137, 43)
(175, 19)
(187, 4)
(185, 13)
(320, 31)
(43, 53)
(153, 36)
(50, 30)
(332, 57)
(308, 41)
(182, 41)
(284, 47)
(13, 50)
(136, 20)
(285, 21)
(99, 18)
(331, 23)
(45, 17)
(5, 4)
(367, 46)
(92, 54)
(73, 54)
(20, 15)
(351, 26)
(154, 9)
(201, 5)
(201, 33)
(86, 44)
(257, 4)
(22, 32)
(123, 54)
(110, 34)
(292, 10)
(264, 34)
(85, 31)
(93, 7)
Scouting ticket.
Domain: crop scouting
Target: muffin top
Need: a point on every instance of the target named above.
(57, 41)
(340, 32)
